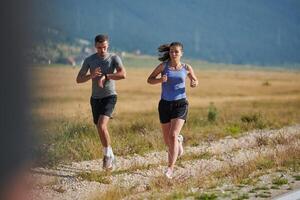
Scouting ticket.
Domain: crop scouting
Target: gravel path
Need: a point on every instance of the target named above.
(137, 171)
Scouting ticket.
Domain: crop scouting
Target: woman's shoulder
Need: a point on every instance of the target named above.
(163, 64)
(186, 66)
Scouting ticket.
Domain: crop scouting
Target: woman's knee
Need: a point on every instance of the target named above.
(172, 137)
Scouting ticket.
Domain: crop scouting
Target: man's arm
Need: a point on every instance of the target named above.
(120, 74)
(81, 78)
(82, 74)
(84, 77)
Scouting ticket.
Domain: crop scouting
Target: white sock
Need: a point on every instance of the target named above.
(110, 152)
(107, 151)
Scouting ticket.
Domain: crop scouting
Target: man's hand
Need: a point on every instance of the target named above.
(96, 73)
(101, 81)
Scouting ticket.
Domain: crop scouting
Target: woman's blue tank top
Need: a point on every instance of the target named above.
(174, 88)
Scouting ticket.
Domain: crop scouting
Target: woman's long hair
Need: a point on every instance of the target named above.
(164, 50)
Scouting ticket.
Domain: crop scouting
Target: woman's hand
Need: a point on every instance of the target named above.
(192, 77)
(194, 83)
(164, 78)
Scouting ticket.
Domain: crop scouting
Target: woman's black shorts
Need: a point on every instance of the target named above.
(172, 109)
(104, 106)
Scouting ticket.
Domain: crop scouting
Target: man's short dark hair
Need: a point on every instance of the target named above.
(101, 38)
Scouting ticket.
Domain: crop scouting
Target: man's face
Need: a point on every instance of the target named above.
(101, 48)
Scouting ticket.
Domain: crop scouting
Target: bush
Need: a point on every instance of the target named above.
(253, 121)
(212, 113)
(233, 129)
(266, 83)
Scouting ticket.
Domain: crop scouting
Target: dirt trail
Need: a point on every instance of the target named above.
(138, 172)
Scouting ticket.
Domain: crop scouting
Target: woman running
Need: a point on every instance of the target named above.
(173, 106)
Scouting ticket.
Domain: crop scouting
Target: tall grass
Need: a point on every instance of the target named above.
(64, 123)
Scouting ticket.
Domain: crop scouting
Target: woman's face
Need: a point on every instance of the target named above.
(175, 52)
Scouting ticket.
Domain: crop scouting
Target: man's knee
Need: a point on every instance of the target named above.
(102, 127)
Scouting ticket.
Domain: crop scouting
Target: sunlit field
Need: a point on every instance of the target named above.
(228, 101)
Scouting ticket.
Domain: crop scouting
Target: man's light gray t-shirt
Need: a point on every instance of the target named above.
(108, 65)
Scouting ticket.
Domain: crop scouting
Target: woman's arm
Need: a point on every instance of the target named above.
(152, 79)
(192, 76)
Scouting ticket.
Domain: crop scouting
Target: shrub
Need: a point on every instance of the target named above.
(266, 83)
(212, 113)
(253, 121)
(233, 129)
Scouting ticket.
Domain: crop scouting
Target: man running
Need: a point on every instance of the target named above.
(104, 68)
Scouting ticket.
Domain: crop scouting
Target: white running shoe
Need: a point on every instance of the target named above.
(108, 162)
(180, 147)
(169, 173)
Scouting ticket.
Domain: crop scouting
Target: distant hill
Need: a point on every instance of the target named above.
(264, 32)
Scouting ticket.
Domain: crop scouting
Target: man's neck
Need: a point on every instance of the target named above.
(104, 55)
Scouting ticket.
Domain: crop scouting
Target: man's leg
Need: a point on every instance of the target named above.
(103, 130)
(106, 142)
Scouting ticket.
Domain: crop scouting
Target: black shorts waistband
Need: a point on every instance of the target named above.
(178, 102)
(110, 96)
(174, 101)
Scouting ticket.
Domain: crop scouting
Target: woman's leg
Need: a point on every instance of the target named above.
(175, 128)
(166, 129)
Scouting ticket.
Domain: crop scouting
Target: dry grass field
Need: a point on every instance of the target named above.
(227, 102)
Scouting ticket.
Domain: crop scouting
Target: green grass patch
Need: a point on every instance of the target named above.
(241, 197)
(275, 187)
(207, 196)
(265, 163)
(297, 177)
(263, 195)
(113, 193)
(260, 188)
(177, 195)
(100, 177)
(234, 130)
(280, 181)
(193, 156)
(249, 181)
(293, 163)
